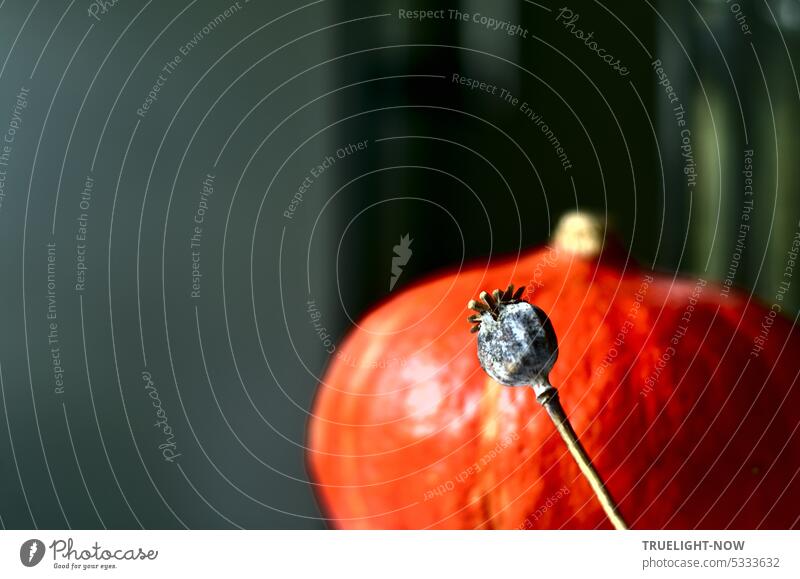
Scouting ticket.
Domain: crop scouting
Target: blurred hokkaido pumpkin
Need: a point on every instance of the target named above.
(683, 392)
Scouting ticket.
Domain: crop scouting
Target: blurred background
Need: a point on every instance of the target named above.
(199, 198)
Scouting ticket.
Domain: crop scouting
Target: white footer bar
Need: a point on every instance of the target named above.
(400, 554)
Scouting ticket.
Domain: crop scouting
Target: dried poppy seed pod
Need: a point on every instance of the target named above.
(517, 345)
(518, 348)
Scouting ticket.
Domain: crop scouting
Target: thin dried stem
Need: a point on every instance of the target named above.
(548, 397)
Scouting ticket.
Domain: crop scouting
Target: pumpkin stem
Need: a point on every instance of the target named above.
(580, 233)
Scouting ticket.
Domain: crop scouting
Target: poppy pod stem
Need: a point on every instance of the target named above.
(517, 346)
(548, 397)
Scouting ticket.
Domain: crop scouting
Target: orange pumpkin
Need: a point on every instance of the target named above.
(684, 394)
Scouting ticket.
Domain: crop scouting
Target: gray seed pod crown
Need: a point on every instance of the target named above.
(516, 342)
